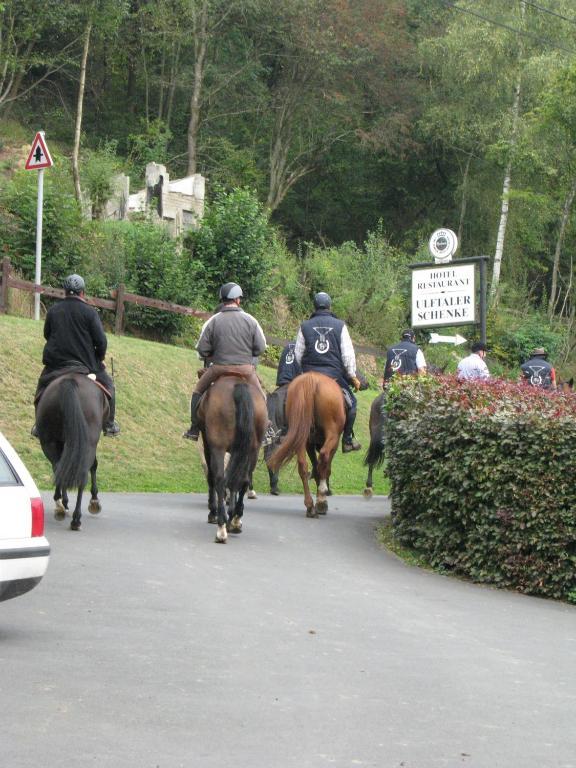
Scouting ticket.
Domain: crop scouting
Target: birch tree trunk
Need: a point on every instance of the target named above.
(79, 109)
(554, 293)
(508, 174)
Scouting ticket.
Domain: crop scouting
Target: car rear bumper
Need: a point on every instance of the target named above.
(22, 565)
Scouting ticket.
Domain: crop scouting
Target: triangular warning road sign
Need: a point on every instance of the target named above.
(39, 156)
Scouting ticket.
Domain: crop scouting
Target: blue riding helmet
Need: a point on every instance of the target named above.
(230, 291)
(322, 301)
(74, 284)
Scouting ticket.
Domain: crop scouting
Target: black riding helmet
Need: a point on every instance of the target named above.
(230, 291)
(409, 335)
(74, 284)
(322, 301)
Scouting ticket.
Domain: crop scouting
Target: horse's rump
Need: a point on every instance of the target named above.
(314, 405)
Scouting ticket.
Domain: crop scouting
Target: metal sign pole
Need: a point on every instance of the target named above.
(38, 273)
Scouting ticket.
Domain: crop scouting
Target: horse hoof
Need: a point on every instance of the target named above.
(221, 535)
(322, 507)
(311, 512)
(367, 493)
(235, 525)
(94, 507)
(212, 517)
(74, 526)
(252, 494)
(275, 491)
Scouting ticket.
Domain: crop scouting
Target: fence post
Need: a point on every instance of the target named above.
(119, 325)
(4, 287)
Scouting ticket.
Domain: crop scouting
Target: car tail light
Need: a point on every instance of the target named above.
(37, 517)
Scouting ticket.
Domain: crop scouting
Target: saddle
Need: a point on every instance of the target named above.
(80, 370)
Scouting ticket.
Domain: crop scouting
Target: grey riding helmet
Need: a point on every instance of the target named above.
(74, 284)
(230, 291)
(322, 301)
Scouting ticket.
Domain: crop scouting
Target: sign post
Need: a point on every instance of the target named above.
(444, 292)
(38, 159)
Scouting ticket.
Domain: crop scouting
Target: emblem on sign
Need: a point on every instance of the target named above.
(322, 344)
(443, 245)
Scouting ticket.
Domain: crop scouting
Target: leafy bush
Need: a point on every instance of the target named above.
(232, 244)
(62, 224)
(482, 480)
(514, 342)
(369, 285)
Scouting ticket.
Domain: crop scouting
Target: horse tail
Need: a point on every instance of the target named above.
(375, 453)
(301, 420)
(241, 455)
(71, 471)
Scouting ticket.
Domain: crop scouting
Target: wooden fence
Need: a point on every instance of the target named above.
(119, 298)
(116, 304)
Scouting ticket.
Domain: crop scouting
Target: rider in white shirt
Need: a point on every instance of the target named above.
(473, 366)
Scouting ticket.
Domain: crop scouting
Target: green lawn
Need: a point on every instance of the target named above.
(153, 383)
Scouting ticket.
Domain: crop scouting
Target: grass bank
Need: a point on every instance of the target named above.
(153, 383)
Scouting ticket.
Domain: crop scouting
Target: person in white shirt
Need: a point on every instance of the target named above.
(473, 366)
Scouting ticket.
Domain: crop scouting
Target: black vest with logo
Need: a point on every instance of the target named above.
(401, 358)
(322, 334)
(288, 368)
(538, 372)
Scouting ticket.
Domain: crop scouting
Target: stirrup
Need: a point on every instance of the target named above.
(270, 436)
(191, 434)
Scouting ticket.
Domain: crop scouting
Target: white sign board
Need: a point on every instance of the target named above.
(443, 295)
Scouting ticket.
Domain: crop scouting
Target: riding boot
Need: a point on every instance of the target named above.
(349, 443)
(194, 432)
(111, 427)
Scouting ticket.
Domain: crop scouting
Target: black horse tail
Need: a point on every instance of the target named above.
(71, 471)
(375, 453)
(242, 453)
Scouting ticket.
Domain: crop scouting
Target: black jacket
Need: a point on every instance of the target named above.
(73, 331)
(288, 368)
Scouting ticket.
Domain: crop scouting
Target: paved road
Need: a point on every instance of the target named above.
(299, 644)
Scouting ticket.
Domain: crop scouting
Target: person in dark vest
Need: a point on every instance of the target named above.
(288, 369)
(324, 345)
(231, 340)
(537, 371)
(405, 357)
(76, 343)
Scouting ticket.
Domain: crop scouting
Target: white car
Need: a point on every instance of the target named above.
(24, 550)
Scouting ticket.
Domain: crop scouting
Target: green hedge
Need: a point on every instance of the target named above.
(483, 480)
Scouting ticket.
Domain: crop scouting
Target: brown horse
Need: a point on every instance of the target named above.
(232, 419)
(315, 415)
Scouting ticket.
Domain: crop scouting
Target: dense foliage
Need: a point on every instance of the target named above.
(482, 480)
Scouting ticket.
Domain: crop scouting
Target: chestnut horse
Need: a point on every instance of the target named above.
(232, 418)
(69, 419)
(316, 416)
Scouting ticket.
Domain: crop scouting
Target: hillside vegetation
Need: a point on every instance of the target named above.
(153, 382)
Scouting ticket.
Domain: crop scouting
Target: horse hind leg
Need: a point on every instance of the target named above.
(303, 472)
(94, 507)
(77, 514)
(323, 470)
(235, 524)
(368, 491)
(60, 503)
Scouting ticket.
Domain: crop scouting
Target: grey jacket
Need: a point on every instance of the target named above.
(231, 337)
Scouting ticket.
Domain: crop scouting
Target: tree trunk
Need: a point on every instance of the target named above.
(79, 109)
(464, 200)
(200, 45)
(508, 174)
(554, 293)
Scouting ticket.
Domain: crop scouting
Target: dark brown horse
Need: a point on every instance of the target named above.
(69, 419)
(315, 415)
(232, 419)
(375, 453)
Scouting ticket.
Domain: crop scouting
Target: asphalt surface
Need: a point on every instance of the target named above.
(299, 643)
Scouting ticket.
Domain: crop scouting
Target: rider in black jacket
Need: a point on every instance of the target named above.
(75, 339)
